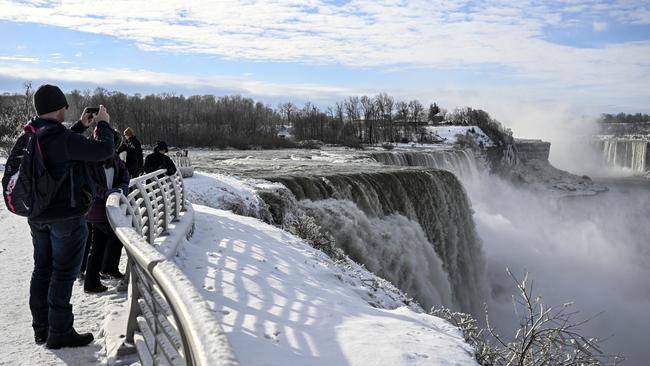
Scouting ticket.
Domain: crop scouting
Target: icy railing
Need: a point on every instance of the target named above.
(169, 323)
(183, 163)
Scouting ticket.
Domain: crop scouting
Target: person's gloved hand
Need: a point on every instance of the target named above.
(102, 115)
(113, 190)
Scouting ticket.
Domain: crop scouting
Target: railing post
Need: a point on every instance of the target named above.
(163, 193)
(134, 308)
(181, 189)
(150, 212)
(177, 195)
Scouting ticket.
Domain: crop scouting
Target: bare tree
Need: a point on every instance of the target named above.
(287, 109)
(15, 111)
(415, 111)
(353, 112)
(384, 103)
(368, 107)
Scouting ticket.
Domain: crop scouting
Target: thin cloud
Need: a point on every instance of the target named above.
(372, 33)
(242, 85)
(600, 26)
(31, 60)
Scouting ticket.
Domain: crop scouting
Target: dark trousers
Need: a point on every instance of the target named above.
(58, 252)
(104, 256)
(89, 242)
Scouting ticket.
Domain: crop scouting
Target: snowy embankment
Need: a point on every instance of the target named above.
(449, 133)
(284, 303)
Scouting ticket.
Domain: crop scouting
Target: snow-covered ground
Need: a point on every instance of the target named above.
(449, 133)
(281, 301)
(284, 303)
(17, 345)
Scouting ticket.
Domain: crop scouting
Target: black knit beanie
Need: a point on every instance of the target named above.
(49, 98)
(160, 145)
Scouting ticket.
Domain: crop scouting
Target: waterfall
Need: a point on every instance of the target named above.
(460, 162)
(631, 154)
(413, 227)
(391, 246)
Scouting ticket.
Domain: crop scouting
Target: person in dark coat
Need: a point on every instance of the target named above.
(108, 177)
(59, 232)
(159, 160)
(133, 148)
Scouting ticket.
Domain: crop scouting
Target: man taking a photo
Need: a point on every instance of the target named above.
(59, 231)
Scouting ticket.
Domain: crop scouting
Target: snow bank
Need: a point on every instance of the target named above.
(449, 133)
(228, 193)
(284, 303)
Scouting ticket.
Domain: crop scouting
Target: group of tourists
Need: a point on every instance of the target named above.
(60, 180)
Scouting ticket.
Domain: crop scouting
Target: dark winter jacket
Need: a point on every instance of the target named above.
(65, 152)
(97, 213)
(134, 160)
(156, 160)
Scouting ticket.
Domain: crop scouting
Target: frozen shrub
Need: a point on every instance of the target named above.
(305, 227)
(547, 335)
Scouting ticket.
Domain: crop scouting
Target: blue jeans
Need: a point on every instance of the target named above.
(58, 252)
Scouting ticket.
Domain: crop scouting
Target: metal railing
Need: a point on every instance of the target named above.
(169, 323)
(183, 163)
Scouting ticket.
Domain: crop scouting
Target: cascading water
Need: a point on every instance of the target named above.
(392, 246)
(391, 221)
(632, 154)
(460, 162)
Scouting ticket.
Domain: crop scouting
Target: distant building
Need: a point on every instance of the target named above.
(285, 132)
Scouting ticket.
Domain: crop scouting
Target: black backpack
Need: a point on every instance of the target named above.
(27, 186)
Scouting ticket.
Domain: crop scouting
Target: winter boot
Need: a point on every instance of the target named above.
(70, 339)
(111, 275)
(95, 290)
(40, 335)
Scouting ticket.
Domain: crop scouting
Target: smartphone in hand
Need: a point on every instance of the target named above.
(92, 110)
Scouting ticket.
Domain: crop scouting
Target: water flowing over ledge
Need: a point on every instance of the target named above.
(632, 154)
(390, 221)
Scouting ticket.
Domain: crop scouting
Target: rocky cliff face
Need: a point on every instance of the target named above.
(532, 149)
(532, 168)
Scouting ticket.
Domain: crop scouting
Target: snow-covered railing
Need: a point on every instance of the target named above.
(169, 323)
(183, 163)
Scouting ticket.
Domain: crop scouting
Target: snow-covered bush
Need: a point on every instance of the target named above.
(305, 227)
(467, 140)
(547, 335)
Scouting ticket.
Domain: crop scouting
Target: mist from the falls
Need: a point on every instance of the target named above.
(593, 251)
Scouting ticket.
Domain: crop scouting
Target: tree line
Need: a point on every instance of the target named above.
(241, 122)
(624, 118)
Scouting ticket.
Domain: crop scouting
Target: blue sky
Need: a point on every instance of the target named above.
(585, 56)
